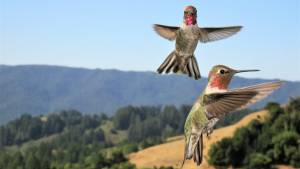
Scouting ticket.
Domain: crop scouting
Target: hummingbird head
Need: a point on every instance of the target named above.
(190, 15)
(220, 76)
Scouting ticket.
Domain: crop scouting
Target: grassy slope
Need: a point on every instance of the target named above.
(171, 154)
(31, 143)
(115, 138)
(105, 126)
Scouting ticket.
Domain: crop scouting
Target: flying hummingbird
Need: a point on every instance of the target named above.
(182, 60)
(215, 102)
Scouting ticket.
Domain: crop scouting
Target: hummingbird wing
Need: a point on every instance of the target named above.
(167, 32)
(211, 34)
(263, 90)
(219, 104)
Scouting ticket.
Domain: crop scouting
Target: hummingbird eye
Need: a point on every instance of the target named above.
(222, 71)
(192, 13)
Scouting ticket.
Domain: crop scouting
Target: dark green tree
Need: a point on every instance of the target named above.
(271, 105)
(260, 161)
(127, 165)
(295, 104)
(220, 152)
(130, 148)
(144, 144)
(45, 164)
(295, 161)
(32, 162)
(163, 167)
(285, 145)
(98, 161)
(118, 157)
(103, 116)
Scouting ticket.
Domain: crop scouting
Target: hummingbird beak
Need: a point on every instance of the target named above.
(240, 71)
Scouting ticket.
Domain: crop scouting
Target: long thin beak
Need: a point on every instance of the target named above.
(240, 71)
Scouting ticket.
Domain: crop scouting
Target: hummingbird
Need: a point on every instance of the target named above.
(182, 60)
(215, 102)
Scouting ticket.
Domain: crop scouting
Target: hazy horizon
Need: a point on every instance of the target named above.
(204, 76)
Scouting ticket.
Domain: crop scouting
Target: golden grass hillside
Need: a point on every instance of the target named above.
(171, 154)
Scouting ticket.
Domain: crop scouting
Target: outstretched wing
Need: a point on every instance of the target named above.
(263, 90)
(219, 104)
(167, 32)
(217, 33)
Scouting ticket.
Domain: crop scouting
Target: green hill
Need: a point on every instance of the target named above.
(132, 123)
(40, 89)
(106, 126)
(72, 140)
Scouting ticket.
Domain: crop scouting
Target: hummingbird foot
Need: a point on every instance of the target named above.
(209, 131)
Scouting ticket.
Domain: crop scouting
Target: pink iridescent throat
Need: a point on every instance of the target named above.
(188, 22)
(220, 82)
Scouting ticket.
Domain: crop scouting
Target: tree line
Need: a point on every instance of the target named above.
(276, 140)
(143, 122)
(28, 128)
(74, 155)
(82, 144)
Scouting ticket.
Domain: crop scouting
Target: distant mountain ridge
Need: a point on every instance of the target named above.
(42, 89)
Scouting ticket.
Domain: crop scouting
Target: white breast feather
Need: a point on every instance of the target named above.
(209, 90)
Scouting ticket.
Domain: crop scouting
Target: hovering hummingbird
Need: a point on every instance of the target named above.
(182, 60)
(215, 102)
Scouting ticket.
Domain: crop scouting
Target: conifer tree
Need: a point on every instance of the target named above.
(32, 162)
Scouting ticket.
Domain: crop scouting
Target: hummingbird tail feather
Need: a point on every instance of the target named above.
(187, 154)
(169, 68)
(192, 69)
(189, 70)
(175, 67)
(198, 151)
(195, 68)
(185, 151)
(167, 64)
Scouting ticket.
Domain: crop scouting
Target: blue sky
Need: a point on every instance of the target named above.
(119, 34)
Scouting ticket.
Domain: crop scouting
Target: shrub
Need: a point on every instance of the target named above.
(130, 148)
(260, 161)
(113, 131)
(271, 105)
(144, 144)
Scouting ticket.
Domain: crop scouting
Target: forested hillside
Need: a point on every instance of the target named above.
(262, 144)
(139, 122)
(82, 141)
(78, 128)
(35, 90)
